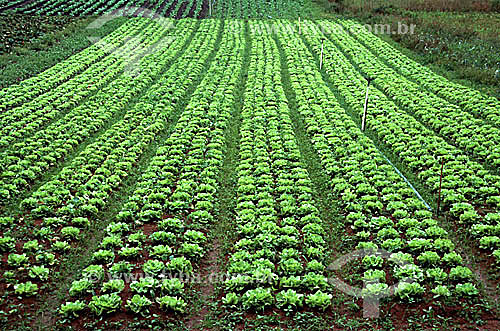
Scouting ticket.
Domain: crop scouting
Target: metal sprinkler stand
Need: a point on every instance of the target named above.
(321, 57)
(363, 121)
(210, 6)
(440, 185)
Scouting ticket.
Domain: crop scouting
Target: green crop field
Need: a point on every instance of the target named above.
(242, 165)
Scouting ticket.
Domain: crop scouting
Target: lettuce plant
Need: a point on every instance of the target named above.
(113, 286)
(231, 299)
(7, 244)
(289, 299)
(409, 291)
(80, 287)
(146, 285)
(466, 290)
(39, 272)
(139, 304)
(441, 291)
(105, 304)
(258, 298)
(26, 289)
(72, 308)
(172, 303)
(172, 286)
(319, 300)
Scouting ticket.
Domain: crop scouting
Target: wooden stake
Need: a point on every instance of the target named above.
(363, 121)
(440, 184)
(299, 24)
(210, 7)
(321, 58)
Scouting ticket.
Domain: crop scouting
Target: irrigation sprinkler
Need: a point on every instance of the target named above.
(210, 6)
(363, 122)
(440, 185)
(321, 58)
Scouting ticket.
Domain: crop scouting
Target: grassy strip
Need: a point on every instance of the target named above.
(424, 5)
(81, 257)
(55, 46)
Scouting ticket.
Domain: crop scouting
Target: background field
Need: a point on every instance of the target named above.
(459, 39)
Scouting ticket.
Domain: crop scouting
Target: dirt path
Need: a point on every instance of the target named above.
(209, 270)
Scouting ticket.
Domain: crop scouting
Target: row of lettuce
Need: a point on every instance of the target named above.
(160, 234)
(279, 257)
(381, 212)
(470, 193)
(101, 7)
(59, 213)
(63, 125)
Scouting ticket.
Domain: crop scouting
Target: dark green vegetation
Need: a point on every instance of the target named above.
(19, 30)
(210, 183)
(457, 39)
(32, 44)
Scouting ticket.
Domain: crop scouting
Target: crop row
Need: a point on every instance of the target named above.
(26, 119)
(28, 89)
(72, 7)
(468, 99)
(4, 4)
(415, 146)
(60, 211)
(280, 253)
(260, 9)
(99, 7)
(460, 128)
(175, 9)
(30, 158)
(380, 210)
(160, 234)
